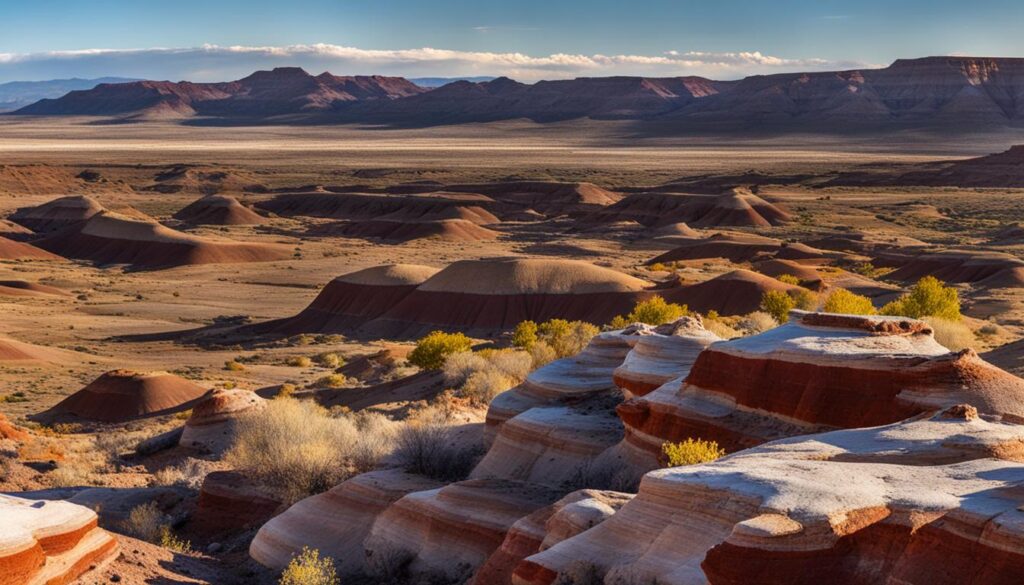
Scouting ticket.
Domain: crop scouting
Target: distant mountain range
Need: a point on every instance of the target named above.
(954, 93)
(18, 94)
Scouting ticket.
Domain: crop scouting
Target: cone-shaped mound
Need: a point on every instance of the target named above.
(113, 238)
(676, 230)
(218, 210)
(58, 214)
(448, 230)
(731, 247)
(11, 250)
(123, 395)
(777, 268)
(50, 542)
(736, 293)
(547, 198)
(496, 294)
(740, 208)
(353, 299)
(21, 288)
(212, 424)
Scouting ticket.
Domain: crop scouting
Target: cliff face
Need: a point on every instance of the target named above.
(950, 93)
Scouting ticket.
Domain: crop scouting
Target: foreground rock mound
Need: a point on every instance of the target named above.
(58, 214)
(112, 238)
(122, 395)
(817, 372)
(211, 427)
(218, 210)
(933, 501)
(44, 543)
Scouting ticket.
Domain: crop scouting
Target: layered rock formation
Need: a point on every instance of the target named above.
(65, 212)
(993, 269)
(123, 395)
(737, 207)
(12, 250)
(229, 503)
(211, 426)
(735, 293)
(43, 543)
(218, 210)
(817, 372)
(666, 355)
(113, 238)
(932, 501)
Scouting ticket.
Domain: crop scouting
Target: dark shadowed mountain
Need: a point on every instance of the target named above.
(18, 94)
(283, 91)
(949, 93)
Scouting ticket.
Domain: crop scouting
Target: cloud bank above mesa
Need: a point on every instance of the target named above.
(220, 63)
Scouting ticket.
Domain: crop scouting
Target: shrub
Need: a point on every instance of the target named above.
(300, 361)
(309, 568)
(691, 452)
(721, 329)
(542, 354)
(953, 335)
(655, 311)
(233, 366)
(481, 387)
(843, 301)
(757, 322)
(436, 450)
(778, 304)
(169, 541)
(565, 337)
(329, 360)
(525, 335)
(293, 448)
(432, 350)
(144, 522)
(332, 381)
(805, 300)
(285, 391)
(928, 298)
(618, 322)
(789, 279)
(460, 366)
(514, 364)
(657, 267)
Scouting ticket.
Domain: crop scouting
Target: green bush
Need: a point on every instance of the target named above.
(656, 311)
(789, 279)
(928, 298)
(690, 452)
(309, 568)
(778, 304)
(525, 335)
(233, 366)
(843, 301)
(432, 350)
(566, 338)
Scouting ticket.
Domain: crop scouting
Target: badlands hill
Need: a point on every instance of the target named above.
(285, 90)
(939, 92)
(1004, 169)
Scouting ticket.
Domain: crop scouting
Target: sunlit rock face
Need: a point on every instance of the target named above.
(931, 501)
(211, 426)
(815, 373)
(667, 354)
(44, 542)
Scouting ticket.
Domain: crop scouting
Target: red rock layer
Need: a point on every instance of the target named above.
(666, 354)
(211, 427)
(365, 206)
(950, 266)
(229, 504)
(122, 395)
(448, 230)
(11, 250)
(736, 293)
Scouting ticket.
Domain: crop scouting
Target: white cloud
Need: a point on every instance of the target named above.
(220, 63)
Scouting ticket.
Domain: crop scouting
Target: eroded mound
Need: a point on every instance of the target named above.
(122, 395)
(961, 266)
(934, 501)
(21, 288)
(447, 230)
(736, 293)
(738, 207)
(113, 238)
(58, 214)
(211, 427)
(11, 250)
(731, 247)
(218, 210)
(401, 208)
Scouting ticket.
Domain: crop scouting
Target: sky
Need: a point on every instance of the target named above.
(210, 40)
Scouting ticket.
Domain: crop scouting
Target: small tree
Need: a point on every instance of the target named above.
(691, 452)
(309, 568)
(843, 301)
(525, 335)
(928, 298)
(778, 304)
(432, 350)
(565, 337)
(655, 311)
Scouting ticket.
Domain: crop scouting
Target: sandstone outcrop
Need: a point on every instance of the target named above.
(817, 372)
(211, 426)
(230, 503)
(665, 355)
(44, 543)
(931, 501)
(335, 522)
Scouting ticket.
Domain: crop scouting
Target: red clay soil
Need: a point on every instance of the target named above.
(12, 351)
(229, 503)
(122, 395)
(736, 293)
(732, 247)
(11, 250)
(20, 288)
(218, 210)
(58, 214)
(10, 431)
(450, 230)
(144, 245)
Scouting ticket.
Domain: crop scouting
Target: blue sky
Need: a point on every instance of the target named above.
(722, 38)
